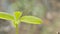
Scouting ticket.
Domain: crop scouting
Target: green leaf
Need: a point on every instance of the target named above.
(31, 20)
(15, 23)
(6, 16)
(17, 14)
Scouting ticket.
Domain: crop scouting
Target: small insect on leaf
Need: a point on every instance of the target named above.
(31, 20)
(17, 14)
(6, 16)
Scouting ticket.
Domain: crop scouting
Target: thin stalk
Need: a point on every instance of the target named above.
(17, 29)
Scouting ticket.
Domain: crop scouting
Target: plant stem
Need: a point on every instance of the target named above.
(17, 29)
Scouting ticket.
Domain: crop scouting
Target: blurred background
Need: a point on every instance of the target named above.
(47, 10)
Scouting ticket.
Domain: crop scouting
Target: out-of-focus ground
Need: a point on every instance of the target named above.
(47, 10)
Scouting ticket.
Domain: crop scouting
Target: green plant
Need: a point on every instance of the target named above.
(17, 18)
